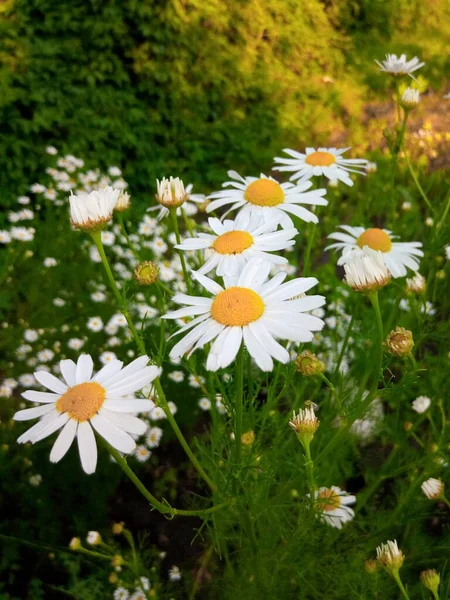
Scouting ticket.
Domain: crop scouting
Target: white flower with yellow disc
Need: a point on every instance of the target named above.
(332, 504)
(233, 243)
(254, 311)
(398, 256)
(267, 199)
(83, 403)
(323, 161)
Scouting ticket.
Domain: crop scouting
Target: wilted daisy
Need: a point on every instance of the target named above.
(399, 65)
(433, 488)
(189, 205)
(267, 199)
(233, 243)
(84, 402)
(390, 556)
(91, 212)
(366, 272)
(253, 311)
(323, 161)
(333, 505)
(398, 256)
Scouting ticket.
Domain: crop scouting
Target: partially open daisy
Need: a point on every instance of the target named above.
(399, 65)
(91, 212)
(253, 311)
(265, 198)
(233, 243)
(190, 205)
(332, 504)
(323, 161)
(398, 256)
(83, 403)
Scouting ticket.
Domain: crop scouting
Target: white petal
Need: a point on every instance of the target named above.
(134, 382)
(85, 366)
(87, 447)
(50, 382)
(32, 413)
(129, 406)
(113, 435)
(108, 371)
(42, 424)
(64, 440)
(51, 427)
(68, 371)
(128, 423)
(43, 397)
(134, 367)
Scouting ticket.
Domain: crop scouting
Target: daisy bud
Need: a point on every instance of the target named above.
(421, 404)
(248, 438)
(117, 560)
(91, 212)
(407, 426)
(171, 192)
(433, 488)
(399, 342)
(113, 578)
(366, 272)
(146, 273)
(416, 284)
(75, 543)
(118, 528)
(431, 580)
(371, 565)
(390, 556)
(410, 98)
(94, 538)
(305, 424)
(123, 202)
(307, 364)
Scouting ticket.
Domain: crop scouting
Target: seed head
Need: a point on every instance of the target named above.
(399, 342)
(146, 273)
(305, 424)
(307, 363)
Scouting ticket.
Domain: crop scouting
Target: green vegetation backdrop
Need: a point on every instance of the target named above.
(190, 88)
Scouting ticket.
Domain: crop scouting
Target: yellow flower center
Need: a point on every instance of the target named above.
(233, 242)
(375, 238)
(320, 159)
(82, 401)
(328, 500)
(237, 306)
(264, 192)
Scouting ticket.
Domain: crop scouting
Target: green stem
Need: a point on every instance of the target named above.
(344, 345)
(157, 384)
(173, 212)
(127, 237)
(87, 552)
(164, 405)
(396, 576)
(165, 509)
(444, 214)
(97, 238)
(311, 232)
(309, 466)
(417, 182)
(444, 499)
(238, 404)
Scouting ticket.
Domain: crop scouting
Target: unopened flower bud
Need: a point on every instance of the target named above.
(410, 98)
(94, 538)
(305, 424)
(431, 580)
(113, 578)
(248, 438)
(390, 556)
(399, 342)
(75, 543)
(171, 192)
(123, 202)
(118, 528)
(407, 426)
(117, 560)
(371, 565)
(146, 273)
(433, 488)
(307, 363)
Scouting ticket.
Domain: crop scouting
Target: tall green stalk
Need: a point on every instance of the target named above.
(187, 280)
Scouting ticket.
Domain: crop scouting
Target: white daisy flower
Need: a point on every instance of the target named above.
(233, 243)
(366, 271)
(75, 343)
(142, 453)
(204, 403)
(267, 199)
(433, 488)
(421, 404)
(174, 573)
(177, 376)
(196, 381)
(323, 161)
(5, 237)
(399, 65)
(95, 324)
(84, 403)
(153, 437)
(398, 256)
(333, 506)
(107, 357)
(50, 262)
(253, 311)
(189, 205)
(121, 593)
(92, 211)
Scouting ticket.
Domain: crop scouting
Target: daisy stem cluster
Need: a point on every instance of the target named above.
(141, 346)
